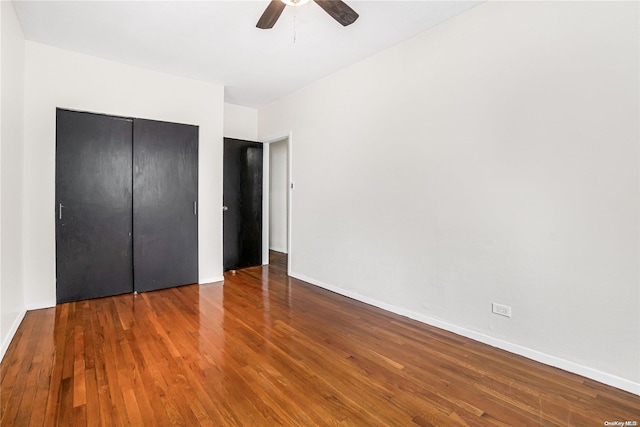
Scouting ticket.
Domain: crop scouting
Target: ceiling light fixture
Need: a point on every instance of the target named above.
(294, 2)
(336, 8)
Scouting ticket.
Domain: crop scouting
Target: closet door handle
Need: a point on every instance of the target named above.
(195, 208)
(60, 210)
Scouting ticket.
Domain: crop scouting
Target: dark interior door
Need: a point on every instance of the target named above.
(242, 198)
(165, 198)
(93, 209)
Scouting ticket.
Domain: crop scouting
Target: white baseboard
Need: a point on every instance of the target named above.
(211, 280)
(12, 332)
(547, 359)
(40, 305)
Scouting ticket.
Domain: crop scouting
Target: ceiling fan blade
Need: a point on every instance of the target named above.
(338, 11)
(271, 15)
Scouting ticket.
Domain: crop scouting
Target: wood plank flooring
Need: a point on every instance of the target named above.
(266, 349)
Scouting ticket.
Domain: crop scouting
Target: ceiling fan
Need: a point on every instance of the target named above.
(336, 8)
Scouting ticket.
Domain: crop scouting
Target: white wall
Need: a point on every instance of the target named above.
(12, 304)
(58, 78)
(278, 193)
(494, 158)
(240, 122)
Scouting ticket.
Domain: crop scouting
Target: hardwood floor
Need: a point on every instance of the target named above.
(265, 349)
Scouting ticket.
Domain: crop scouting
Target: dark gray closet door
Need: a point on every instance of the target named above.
(165, 197)
(93, 206)
(242, 198)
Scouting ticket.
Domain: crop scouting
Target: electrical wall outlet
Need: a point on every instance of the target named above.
(501, 309)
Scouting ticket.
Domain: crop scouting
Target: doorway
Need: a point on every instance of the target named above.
(276, 170)
(278, 195)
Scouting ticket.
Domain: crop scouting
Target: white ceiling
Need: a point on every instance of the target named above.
(218, 42)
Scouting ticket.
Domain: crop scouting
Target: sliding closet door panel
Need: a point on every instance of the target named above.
(93, 206)
(165, 197)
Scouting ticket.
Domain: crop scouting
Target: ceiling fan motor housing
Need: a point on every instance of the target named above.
(338, 10)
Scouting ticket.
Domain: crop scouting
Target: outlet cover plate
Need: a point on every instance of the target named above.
(501, 309)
